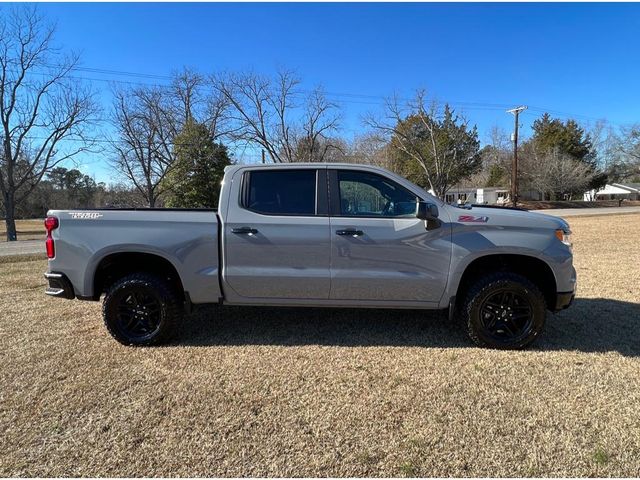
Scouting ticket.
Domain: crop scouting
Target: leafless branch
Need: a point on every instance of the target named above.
(41, 111)
(271, 113)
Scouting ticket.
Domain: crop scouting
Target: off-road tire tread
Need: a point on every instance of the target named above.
(171, 305)
(493, 280)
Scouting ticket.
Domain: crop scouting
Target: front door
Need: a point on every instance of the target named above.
(379, 250)
(276, 237)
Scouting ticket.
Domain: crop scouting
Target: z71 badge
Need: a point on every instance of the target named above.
(85, 215)
(472, 219)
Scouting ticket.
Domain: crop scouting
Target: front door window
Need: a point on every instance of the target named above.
(363, 194)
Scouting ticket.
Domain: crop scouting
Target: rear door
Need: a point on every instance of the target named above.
(379, 250)
(276, 237)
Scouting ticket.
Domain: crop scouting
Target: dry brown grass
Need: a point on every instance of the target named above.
(32, 229)
(327, 392)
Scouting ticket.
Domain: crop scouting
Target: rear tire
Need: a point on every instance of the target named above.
(503, 310)
(141, 310)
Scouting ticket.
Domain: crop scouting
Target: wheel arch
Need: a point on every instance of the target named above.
(534, 269)
(116, 265)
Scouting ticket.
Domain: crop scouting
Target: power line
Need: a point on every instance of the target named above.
(470, 105)
(120, 72)
(568, 115)
(337, 94)
(481, 106)
(467, 105)
(351, 98)
(108, 141)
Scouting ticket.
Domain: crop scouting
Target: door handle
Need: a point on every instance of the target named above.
(350, 232)
(244, 231)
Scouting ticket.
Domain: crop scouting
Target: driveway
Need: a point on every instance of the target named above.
(22, 247)
(586, 212)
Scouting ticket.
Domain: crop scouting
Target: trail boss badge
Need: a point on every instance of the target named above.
(85, 215)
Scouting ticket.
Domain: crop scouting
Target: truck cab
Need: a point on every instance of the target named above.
(321, 235)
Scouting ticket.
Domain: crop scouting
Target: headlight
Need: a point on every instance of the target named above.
(564, 237)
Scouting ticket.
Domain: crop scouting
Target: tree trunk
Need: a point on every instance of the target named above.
(151, 198)
(9, 207)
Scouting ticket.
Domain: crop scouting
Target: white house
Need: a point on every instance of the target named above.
(485, 195)
(492, 196)
(615, 191)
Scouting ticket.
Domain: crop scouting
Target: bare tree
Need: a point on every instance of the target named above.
(265, 112)
(186, 94)
(441, 144)
(558, 175)
(321, 149)
(372, 149)
(190, 98)
(148, 119)
(501, 148)
(143, 150)
(43, 114)
(628, 144)
(320, 119)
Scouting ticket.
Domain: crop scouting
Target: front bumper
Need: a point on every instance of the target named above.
(564, 300)
(59, 285)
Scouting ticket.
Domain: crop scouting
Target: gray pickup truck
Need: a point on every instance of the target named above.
(316, 235)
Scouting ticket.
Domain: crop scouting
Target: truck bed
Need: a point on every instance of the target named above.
(186, 238)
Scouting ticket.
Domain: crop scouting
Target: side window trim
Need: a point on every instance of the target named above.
(321, 195)
(334, 193)
(243, 198)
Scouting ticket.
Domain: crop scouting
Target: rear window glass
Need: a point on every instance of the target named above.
(283, 192)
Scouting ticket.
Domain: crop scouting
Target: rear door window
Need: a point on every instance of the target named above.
(281, 192)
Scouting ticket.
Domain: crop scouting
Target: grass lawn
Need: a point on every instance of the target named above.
(293, 392)
(32, 229)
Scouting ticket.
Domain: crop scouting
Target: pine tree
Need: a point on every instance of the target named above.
(566, 137)
(436, 151)
(551, 136)
(194, 179)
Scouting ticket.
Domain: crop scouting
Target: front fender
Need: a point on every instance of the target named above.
(470, 243)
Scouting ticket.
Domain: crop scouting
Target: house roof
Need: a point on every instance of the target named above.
(632, 187)
(460, 188)
(494, 189)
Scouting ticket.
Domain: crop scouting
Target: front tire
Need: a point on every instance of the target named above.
(141, 310)
(503, 310)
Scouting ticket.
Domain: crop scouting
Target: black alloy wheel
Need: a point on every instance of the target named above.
(503, 310)
(506, 314)
(139, 313)
(141, 309)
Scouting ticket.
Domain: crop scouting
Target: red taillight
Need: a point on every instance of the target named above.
(50, 224)
(51, 249)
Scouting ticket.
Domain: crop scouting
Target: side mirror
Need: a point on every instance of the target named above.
(426, 211)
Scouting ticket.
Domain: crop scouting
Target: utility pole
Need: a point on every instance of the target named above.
(514, 168)
(263, 155)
